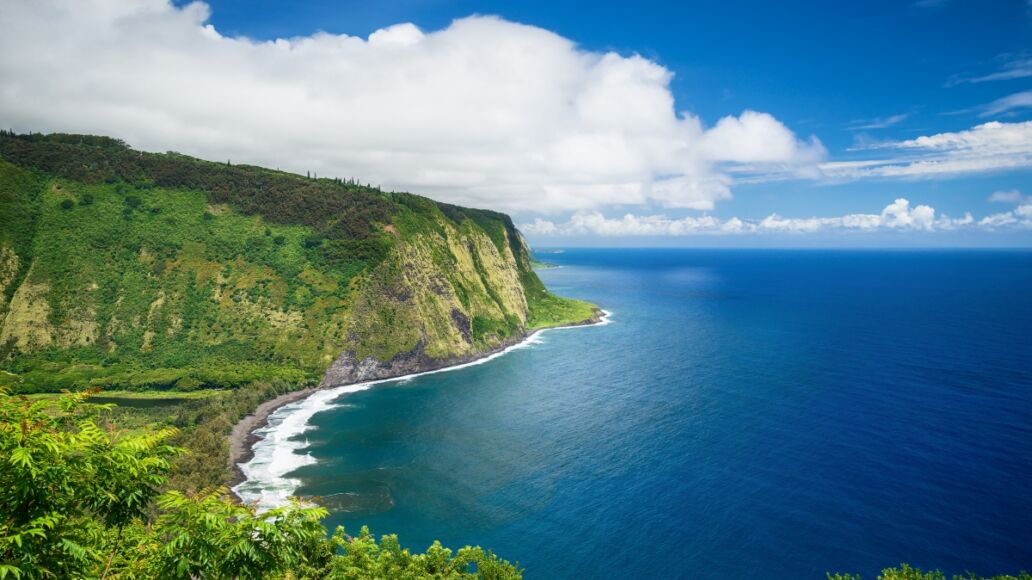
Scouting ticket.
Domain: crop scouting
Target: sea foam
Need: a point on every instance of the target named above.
(280, 451)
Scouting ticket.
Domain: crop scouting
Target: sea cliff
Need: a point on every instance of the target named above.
(134, 270)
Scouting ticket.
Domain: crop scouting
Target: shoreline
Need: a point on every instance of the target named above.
(243, 436)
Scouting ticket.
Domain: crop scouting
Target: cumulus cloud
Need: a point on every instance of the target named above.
(485, 112)
(758, 138)
(900, 215)
(1021, 216)
(993, 146)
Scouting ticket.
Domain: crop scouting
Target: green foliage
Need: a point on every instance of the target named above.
(497, 225)
(46, 373)
(174, 299)
(204, 424)
(79, 500)
(67, 204)
(905, 572)
(364, 558)
(331, 206)
(19, 207)
(482, 326)
(160, 280)
(349, 255)
(208, 536)
(547, 309)
(66, 482)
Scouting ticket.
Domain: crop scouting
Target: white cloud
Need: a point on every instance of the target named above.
(992, 146)
(1020, 217)
(485, 112)
(1014, 66)
(1009, 196)
(900, 215)
(1022, 100)
(1002, 137)
(758, 138)
(897, 216)
(881, 122)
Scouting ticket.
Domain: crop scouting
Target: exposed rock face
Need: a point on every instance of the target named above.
(461, 322)
(347, 369)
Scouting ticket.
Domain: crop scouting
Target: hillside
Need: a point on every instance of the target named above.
(132, 270)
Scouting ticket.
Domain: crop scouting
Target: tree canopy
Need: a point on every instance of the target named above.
(905, 572)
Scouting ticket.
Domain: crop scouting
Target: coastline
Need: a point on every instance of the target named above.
(243, 437)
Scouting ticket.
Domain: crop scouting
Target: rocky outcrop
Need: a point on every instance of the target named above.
(348, 369)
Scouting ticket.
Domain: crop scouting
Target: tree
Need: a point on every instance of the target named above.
(65, 483)
(905, 572)
(207, 535)
(363, 558)
(67, 204)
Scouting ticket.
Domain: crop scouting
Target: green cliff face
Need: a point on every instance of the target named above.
(137, 270)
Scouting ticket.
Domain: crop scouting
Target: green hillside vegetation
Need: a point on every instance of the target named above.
(137, 271)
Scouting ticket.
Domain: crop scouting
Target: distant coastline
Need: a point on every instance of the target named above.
(244, 437)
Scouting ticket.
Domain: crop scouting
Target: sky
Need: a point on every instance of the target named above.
(708, 123)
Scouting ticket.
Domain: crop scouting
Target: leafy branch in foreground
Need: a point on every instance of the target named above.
(66, 482)
(207, 536)
(80, 499)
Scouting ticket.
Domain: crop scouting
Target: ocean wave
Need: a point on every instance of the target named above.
(280, 451)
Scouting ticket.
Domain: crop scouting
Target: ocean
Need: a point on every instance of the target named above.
(745, 414)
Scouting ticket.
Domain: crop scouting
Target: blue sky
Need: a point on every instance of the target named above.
(855, 76)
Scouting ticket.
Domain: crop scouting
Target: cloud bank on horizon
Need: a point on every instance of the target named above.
(485, 112)
(897, 216)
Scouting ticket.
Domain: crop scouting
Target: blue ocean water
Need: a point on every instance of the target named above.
(747, 414)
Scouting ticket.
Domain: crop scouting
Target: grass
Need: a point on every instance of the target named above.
(141, 395)
(554, 310)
